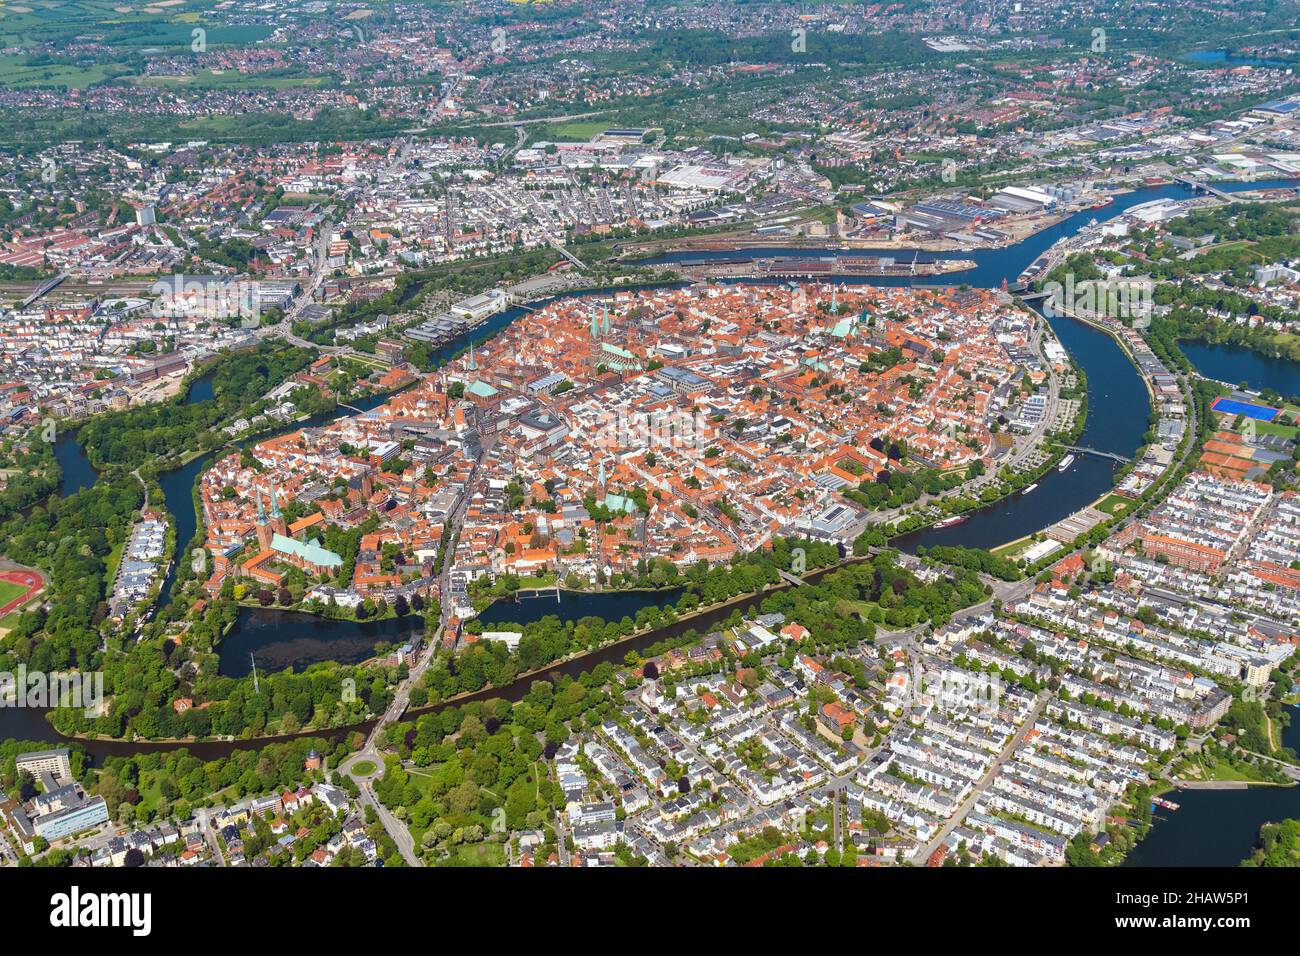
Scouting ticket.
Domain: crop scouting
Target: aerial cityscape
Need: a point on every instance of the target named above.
(604, 433)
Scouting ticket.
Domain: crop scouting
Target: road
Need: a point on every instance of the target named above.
(369, 752)
(454, 522)
(395, 827)
(210, 836)
(837, 840)
(319, 268)
(953, 821)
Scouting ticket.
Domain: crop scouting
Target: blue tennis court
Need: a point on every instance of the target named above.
(1230, 406)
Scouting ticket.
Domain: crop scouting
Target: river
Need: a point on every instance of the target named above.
(992, 266)
(1217, 827)
(1119, 408)
(1212, 828)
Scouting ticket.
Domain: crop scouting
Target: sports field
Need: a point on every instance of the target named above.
(1230, 406)
(16, 588)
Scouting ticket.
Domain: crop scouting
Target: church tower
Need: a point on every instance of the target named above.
(264, 531)
(276, 523)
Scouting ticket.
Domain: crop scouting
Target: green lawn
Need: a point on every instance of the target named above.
(9, 591)
(479, 854)
(1270, 428)
(537, 581)
(1115, 505)
(364, 768)
(577, 130)
(208, 80)
(110, 565)
(15, 73)
(1010, 548)
(367, 363)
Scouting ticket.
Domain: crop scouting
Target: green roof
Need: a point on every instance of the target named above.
(619, 503)
(622, 357)
(309, 551)
(481, 389)
(843, 328)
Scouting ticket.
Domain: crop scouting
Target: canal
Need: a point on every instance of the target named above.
(992, 266)
(1212, 827)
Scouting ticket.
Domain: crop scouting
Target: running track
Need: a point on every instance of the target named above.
(28, 579)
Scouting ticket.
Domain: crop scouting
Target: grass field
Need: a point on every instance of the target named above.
(126, 27)
(208, 80)
(9, 591)
(110, 566)
(1272, 428)
(367, 363)
(1115, 504)
(15, 73)
(577, 130)
(1010, 548)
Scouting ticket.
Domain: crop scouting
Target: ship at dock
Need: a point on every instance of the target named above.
(1066, 462)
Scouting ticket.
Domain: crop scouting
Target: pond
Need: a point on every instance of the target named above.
(277, 639)
(1235, 364)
